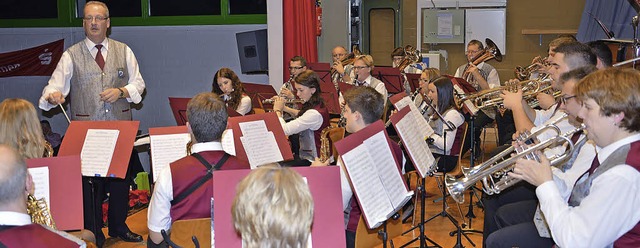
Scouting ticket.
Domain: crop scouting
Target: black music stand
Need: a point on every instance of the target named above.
(392, 78)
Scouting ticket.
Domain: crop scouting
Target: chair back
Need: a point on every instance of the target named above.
(183, 230)
(335, 135)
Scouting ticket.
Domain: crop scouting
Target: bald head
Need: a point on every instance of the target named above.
(13, 176)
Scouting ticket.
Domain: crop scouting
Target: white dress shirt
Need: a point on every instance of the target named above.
(311, 119)
(609, 211)
(9, 218)
(457, 119)
(158, 215)
(492, 79)
(61, 78)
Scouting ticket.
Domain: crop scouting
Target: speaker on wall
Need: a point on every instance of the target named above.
(252, 49)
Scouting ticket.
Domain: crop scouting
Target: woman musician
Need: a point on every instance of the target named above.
(227, 84)
(440, 93)
(309, 121)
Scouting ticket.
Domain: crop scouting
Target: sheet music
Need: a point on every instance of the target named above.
(250, 128)
(167, 148)
(416, 146)
(228, 145)
(373, 198)
(40, 177)
(380, 152)
(423, 125)
(261, 148)
(97, 151)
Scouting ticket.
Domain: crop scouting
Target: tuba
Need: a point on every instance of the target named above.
(39, 212)
(491, 52)
(494, 173)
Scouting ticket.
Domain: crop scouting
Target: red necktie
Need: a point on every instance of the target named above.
(594, 165)
(99, 58)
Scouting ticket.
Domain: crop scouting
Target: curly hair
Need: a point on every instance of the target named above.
(238, 90)
(21, 127)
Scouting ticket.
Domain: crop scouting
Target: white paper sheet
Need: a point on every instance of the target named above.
(445, 25)
(261, 148)
(228, 144)
(167, 148)
(40, 177)
(417, 148)
(97, 151)
(253, 127)
(423, 125)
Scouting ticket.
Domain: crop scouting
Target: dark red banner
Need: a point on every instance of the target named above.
(35, 61)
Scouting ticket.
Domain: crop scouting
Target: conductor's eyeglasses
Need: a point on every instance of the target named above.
(97, 18)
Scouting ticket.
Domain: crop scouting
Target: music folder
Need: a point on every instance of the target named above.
(329, 93)
(322, 69)
(407, 126)
(327, 229)
(179, 109)
(272, 124)
(374, 172)
(400, 101)
(74, 139)
(65, 190)
(168, 144)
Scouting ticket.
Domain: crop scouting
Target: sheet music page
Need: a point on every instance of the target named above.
(261, 149)
(97, 151)
(373, 198)
(386, 167)
(250, 128)
(424, 128)
(417, 148)
(228, 144)
(40, 177)
(167, 148)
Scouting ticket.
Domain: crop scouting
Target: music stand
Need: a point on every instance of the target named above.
(179, 109)
(323, 70)
(392, 78)
(329, 93)
(259, 93)
(414, 80)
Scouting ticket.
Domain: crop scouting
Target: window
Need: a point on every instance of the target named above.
(184, 7)
(237, 7)
(34, 9)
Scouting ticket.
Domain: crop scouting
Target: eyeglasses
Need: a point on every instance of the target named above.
(472, 52)
(97, 18)
(564, 99)
(338, 55)
(295, 67)
(360, 67)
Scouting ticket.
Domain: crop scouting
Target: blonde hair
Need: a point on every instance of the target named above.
(432, 73)
(21, 127)
(99, 4)
(367, 59)
(273, 208)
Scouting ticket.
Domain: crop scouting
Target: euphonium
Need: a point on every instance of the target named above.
(494, 174)
(411, 56)
(39, 212)
(271, 101)
(491, 52)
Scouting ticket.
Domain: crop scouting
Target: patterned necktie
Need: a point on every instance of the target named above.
(99, 58)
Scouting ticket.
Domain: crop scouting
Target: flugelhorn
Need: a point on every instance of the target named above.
(494, 173)
(491, 97)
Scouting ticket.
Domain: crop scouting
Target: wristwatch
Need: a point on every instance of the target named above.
(121, 93)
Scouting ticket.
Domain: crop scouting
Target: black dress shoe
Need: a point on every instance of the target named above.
(129, 237)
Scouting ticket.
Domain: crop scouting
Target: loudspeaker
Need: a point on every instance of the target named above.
(252, 50)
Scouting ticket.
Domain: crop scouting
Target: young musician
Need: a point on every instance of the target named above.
(310, 120)
(21, 128)
(603, 53)
(602, 208)
(16, 228)
(427, 75)
(440, 93)
(363, 106)
(172, 200)
(296, 66)
(227, 84)
(273, 207)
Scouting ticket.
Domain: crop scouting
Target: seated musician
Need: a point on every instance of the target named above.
(602, 208)
(227, 84)
(603, 53)
(440, 93)
(173, 197)
(428, 75)
(397, 57)
(344, 72)
(297, 65)
(273, 207)
(520, 215)
(363, 66)
(16, 228)
(309, 121)
(363, 106)
(21, 128)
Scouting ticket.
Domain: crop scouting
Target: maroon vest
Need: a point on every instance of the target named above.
(322, 109)
(632, 237)
(185, 172)
(33, 235)
(354, 214)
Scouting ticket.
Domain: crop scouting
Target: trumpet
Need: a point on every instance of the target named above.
(523, 73)
(491, 97)
(271, 101)
(494, 174)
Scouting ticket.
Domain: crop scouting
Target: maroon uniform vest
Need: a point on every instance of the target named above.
(632, 237)
(185, 172)
(33, 235)
(322, 109)
(354, 214)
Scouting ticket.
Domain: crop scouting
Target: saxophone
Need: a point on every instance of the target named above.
(325, 144)
(39, 212)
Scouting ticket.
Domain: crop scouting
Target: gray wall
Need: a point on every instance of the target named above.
(335, 28)
(174, 61)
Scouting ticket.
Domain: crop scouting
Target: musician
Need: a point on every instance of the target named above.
(603, 53)
(273, 207)
(363, 66)
(54, 139)
(440, 93)
(227, 84)
(344, 72)
(172, 200)
(16, 229)
(398, 55)
(297, 65)
(602, 208)
(102, 77)
(310, 119)
(519, 216)
(545, 100)
(363, 106)
(21, 128)
(426, 77)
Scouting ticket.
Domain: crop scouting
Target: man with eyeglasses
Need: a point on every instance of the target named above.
(102, 77)
(297, 65)
(344, 72)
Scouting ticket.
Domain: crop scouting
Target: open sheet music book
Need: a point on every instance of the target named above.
(367, 155)
(407, 126)
(400, 101)
(258, 139)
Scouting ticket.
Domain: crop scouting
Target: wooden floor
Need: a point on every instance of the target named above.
(437, 230)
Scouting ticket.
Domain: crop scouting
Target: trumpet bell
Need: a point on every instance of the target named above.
(493, 48)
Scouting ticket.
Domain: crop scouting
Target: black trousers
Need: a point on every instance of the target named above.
(93, 191)
(516, 227)
(522, 191)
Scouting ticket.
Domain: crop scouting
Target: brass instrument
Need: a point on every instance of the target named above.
(48, 149)
(490, 52)
(39, 212)
(271, 101)
(189, 145)
(287, 85)
(494, 174)
(347, 60)
(491, 97)
(524, 73)
(411, 56)
(325, 144)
